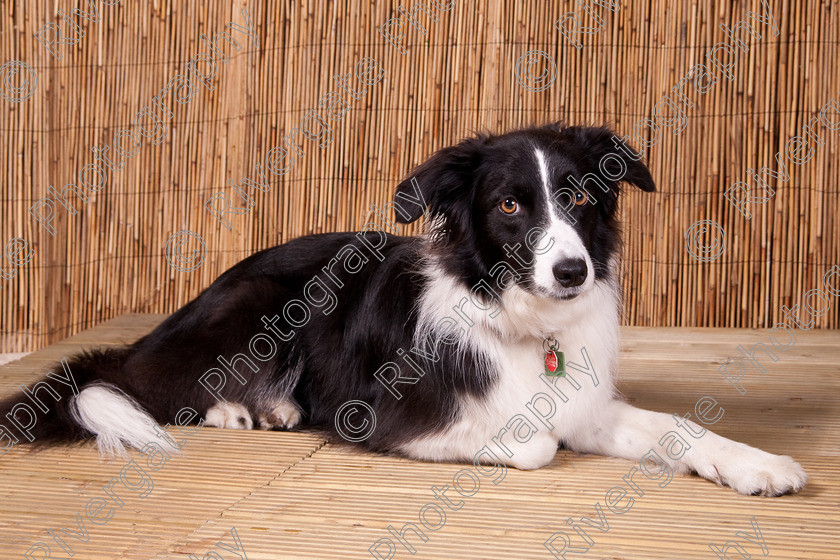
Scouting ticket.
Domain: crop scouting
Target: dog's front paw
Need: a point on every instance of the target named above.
(751, 471)
(535, 454)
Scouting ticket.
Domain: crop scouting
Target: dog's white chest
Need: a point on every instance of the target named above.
(525, 414)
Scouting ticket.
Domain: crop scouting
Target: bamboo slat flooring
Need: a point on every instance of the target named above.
(292, 495)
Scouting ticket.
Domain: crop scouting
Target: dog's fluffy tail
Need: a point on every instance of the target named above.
(73, 403)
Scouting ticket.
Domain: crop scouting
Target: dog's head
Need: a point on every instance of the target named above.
(534, 207)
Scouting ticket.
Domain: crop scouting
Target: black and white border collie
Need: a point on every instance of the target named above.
(445, 336)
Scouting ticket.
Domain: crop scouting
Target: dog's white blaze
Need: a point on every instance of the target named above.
(116, 419)
(561, 241)
(543, 166)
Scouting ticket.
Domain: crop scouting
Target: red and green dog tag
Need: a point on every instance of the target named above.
(555, 362)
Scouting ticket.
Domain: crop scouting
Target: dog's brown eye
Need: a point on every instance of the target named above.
(580, 198)
(509, 206)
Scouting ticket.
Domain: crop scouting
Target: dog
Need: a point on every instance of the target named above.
(444, 336)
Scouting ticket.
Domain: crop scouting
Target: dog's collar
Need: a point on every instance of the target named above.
(555, 361)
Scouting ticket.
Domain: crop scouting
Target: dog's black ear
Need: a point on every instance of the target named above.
(611, 157)
(440, 182)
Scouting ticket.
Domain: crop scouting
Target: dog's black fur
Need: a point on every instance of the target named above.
(331, 359)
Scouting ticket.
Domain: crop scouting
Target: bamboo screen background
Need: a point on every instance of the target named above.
(109, 258)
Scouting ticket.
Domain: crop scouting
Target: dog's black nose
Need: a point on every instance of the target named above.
(570, 273)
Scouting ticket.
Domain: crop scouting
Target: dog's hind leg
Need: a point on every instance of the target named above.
(283, 413)
(229, 415)
(275, 407)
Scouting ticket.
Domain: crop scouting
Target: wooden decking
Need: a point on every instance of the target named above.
(292, 495)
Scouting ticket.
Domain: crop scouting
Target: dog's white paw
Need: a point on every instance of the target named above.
(751, 471)
(285, 415)
(229, 415)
